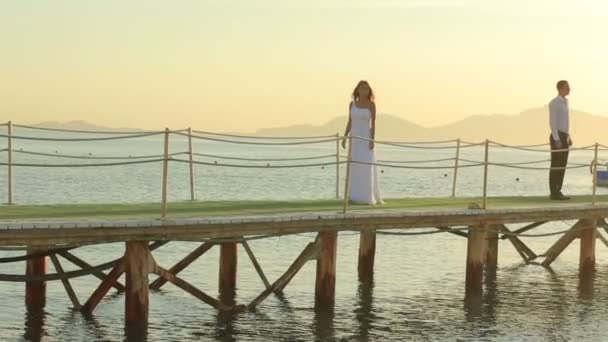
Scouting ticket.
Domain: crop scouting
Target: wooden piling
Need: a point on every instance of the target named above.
(456, 161)
(163, 211)
(325, 286)
(191, 164)
(484, 203)
(367, 254)
(227, 274)
(347, 178)
(492, 248)
(337, 165)
(476, 253)
(138, 264)
(10, 162)
(35, 291)
(587, 253)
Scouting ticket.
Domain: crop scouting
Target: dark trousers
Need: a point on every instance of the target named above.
(558, 159)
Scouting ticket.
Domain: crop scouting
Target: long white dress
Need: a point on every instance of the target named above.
(363, 177)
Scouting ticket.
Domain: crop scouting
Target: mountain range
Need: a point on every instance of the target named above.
(528, 127)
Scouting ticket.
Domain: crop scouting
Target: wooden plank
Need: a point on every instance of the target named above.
(255, 263)
(66, 282)
(358, 221)
(84, 265)
(103, 288)
(182, 264)
(184, 285)
(325, 283)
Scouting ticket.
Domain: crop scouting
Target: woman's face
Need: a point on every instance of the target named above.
(363, 90)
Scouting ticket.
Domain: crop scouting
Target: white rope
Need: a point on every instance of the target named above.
(20, 137)
(543, 150)
(522, 146)
(538, 168)
(93, 157)
(267, 166)
(83, 131)
(416, 161)
(82, 165)
(416, 167)
(263, 159)
(516, 163)
(259, 143)
(263, 137)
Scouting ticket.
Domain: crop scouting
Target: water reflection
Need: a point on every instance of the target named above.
(34, 324)
(364, 313)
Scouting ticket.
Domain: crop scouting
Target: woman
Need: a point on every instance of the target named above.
(362, 124)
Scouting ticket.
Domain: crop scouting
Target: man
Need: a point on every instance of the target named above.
(559, 120)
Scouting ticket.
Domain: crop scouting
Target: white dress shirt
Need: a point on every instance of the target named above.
(559, 117)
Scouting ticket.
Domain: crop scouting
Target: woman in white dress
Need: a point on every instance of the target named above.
(362, 123)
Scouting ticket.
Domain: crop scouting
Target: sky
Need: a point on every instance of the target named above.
(231, 65)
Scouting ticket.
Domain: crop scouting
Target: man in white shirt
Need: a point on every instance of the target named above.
(559, 120)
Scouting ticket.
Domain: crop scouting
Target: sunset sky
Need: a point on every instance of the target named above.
(231, 65)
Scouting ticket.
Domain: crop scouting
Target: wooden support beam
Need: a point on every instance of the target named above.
(184, 285)
(452, 231)
(138, 264)
(492, 248)
(367, 254)
(601, 238)
(255, 263)
(182, 264)
(476, 254)
(66, 282)
(103, 288)
(35, 291)
(310, 251)
(558, 247)
(325, 286)
(526, 253)
(587, 253)
(227, 273)
(84, 265)
(526, 228)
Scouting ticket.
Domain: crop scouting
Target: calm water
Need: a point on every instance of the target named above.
(417, 293)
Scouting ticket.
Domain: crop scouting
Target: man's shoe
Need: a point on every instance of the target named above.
(558, 197)
(564, 197)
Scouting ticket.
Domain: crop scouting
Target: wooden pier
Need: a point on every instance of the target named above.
(54, 237)
(52, 232)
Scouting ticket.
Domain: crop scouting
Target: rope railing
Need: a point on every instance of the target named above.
(82, 131)
(262, 137)
(229, 141)
(263, 159)
(135, 162)
(132, 136)
(57, 155)
(287, 162)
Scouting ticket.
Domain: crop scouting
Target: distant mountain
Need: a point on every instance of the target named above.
(528, 127)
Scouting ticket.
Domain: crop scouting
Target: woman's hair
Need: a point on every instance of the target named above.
(356, 91)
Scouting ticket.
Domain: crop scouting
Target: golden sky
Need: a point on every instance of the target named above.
(230, 65)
